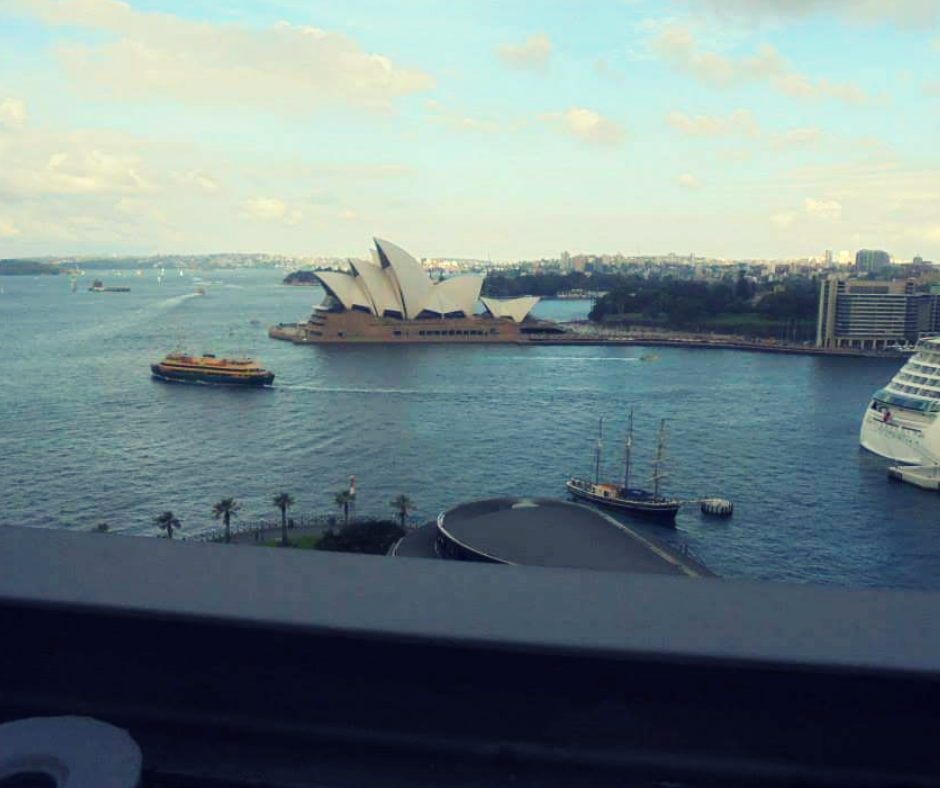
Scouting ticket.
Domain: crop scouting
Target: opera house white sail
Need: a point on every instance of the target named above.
(392, 299)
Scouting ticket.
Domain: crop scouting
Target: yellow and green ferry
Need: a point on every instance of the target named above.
(180, 367)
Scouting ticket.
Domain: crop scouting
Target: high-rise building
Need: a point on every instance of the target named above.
(860, 313)
(871, 260)
(565, 261)
(828, 259)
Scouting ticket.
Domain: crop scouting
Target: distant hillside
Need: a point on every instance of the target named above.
(27, 268)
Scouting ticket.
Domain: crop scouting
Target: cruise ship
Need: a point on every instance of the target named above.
(901, 421)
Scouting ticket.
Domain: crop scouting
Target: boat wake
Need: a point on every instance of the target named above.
(351, 390)
(169, 303)
(572, 358)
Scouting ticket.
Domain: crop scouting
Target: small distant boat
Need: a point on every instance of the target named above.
(200, 291)
(622, 496)
(98, 287)
(180, 367)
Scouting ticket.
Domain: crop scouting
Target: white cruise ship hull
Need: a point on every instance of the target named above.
(900, 439)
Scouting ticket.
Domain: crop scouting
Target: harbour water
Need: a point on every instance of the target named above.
(87, 435)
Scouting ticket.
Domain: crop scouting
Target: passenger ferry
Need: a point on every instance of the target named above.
(179, 367)
(901, 421)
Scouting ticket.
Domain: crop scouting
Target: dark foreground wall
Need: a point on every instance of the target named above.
(229, 665)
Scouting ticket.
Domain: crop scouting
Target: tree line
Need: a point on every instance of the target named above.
(228, 508)
(698, 305)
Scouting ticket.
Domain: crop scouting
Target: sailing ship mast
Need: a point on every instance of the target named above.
(660, 456)
(597, 452)
(627, 446)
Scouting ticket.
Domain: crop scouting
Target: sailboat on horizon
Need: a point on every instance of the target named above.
(622, 496)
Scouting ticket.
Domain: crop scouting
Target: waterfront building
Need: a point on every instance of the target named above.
(871, 260)
(874, 315)
(392, 299)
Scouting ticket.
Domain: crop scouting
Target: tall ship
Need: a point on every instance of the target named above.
(901, 420)
(392, 299)
(622, 495)
(180, 367)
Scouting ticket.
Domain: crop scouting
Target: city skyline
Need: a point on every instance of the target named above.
(767, 129)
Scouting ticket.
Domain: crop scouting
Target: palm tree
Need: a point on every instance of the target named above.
(343, 499)
(168, 521)
(402, 504)
(224, 510)
(283, 501)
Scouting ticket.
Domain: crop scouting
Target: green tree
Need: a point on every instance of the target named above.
(225, 510)
(168, 521)
(342, 499)
(402, 504)
(283, 501)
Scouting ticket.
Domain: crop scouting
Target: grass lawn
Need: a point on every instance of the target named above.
(307, 542)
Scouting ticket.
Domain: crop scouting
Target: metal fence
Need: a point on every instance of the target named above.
(317, 522)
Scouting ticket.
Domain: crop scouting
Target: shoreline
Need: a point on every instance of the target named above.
(288, 333)
(713, 343)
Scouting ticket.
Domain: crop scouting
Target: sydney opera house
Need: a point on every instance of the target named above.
(392, 299)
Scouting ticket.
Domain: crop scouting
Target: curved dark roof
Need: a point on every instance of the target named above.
(547, 532)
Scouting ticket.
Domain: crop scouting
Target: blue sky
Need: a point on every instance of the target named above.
(729, 128)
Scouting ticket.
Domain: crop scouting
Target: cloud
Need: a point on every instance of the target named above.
(271, 209)
(796, 139)
(348, 215)
(739, 123)
(587, 126)
(931, 88)
(606, 71)
(73, 168)
(688, 181)
(8, 228)
(829, 210)
(531, 55)
(453, 120)
(908, 14)
(783, 220)
(286, 68)
(676, 46)
(12, 113)
(197, 179)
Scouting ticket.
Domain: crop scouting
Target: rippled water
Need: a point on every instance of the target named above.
(86, 434)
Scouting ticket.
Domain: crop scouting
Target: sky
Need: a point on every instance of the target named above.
(480, 129)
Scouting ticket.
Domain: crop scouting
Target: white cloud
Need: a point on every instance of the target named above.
(74, 169)
(347, 214)
(795, 139)
(688, 181)
(910, 14)
(931, 88)
(199, 180)
(271, 209)
(8, 228)
(286, 68)
(783, 220)
(676, 46)
(606, 71)
(12, 113)
(739, 123)
(829, 210)
(458, 122)
(531, 55)
(587, 126)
